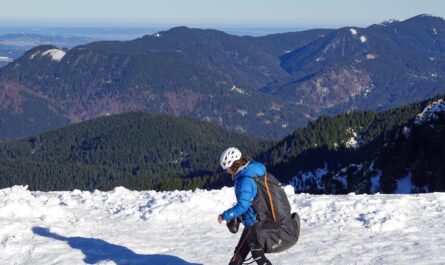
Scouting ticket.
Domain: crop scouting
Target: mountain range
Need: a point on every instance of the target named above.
(262, 86)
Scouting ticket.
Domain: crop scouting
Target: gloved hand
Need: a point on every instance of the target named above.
(220, 218)
(233, 225)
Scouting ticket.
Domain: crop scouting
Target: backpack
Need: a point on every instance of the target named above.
(277, 229)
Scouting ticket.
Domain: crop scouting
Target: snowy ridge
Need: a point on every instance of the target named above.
(179, 227)
(430, 112)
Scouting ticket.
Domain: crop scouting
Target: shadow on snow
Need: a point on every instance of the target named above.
(96, 250)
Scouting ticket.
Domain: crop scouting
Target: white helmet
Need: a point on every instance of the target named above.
(229, 156)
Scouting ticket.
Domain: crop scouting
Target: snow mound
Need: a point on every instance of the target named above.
(430, 112)
(122, 226)
(55, 54)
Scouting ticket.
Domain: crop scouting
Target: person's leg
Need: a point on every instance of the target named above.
(258, 255)
(256, 249)
(241, 250)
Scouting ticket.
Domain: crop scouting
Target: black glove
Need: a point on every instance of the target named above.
(233, 225)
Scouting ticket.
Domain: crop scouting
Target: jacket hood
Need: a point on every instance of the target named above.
(253, 169)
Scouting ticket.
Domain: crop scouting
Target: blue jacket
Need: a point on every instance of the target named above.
(245, 191)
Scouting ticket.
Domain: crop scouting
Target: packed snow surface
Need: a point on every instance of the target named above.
(180, 227)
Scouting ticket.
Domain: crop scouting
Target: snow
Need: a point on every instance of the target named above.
(404, 185)
(34, 55)
(430, 112)
(353, 141)
(406, 132)
(367, 90)
(5, 59)
(303, 180)
(375, 182)
(435, 31)
(180, 227)
(157, 35)
(353, 31)
(363, 39)
(238, 90)
(55, 54)
(242, 112)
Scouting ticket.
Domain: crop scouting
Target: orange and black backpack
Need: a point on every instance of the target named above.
(278, 229)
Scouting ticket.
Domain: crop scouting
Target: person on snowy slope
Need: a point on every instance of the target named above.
(243, 169)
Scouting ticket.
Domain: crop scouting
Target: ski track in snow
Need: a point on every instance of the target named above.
(180, 227)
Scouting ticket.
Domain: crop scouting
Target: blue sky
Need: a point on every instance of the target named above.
(208, 12)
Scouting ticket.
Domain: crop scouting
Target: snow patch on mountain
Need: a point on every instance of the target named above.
(353, 31)
(363, 39)
(32, 56)
(5, 59)
(238, 90)
(406, 132)
(354, 141)
(303, 181)
(371, 56)
(342, 175)
(242, 112)
(430, 112)
(55, 54)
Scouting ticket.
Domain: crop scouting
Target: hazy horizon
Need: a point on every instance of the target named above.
(248, 13)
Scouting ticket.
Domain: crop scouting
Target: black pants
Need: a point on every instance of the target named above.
(246, 243)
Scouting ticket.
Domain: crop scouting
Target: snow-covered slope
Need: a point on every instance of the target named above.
(180, 227)
(431, 112)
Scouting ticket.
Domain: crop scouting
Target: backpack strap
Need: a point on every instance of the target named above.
(270, 198)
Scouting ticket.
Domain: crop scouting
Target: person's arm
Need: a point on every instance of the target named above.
(245, 198)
